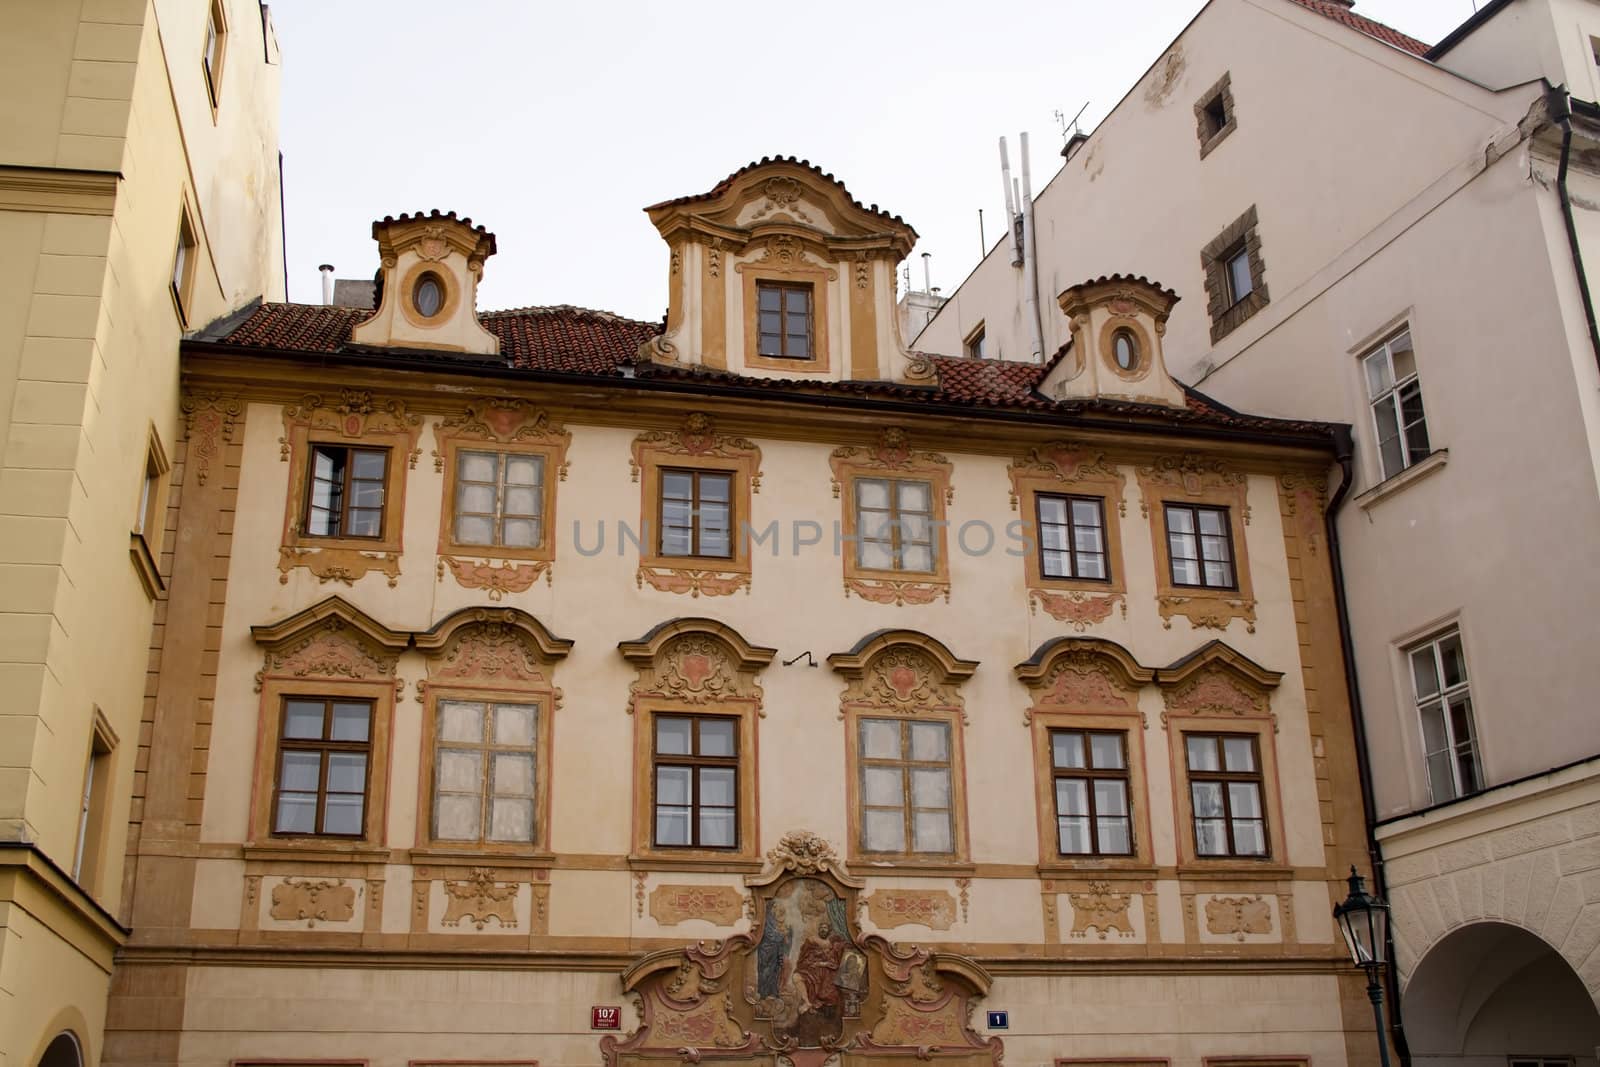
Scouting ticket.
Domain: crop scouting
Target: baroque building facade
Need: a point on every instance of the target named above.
(139, 198)
(1384, 284)
(746, 681)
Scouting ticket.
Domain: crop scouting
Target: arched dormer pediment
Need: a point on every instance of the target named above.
(331, 639)
(695, 660)
(1082, 674)
(778, 271)
(491, 645)
(1218, 680)
(902, 671)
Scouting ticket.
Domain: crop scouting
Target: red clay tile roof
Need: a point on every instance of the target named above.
(1387, 34)
(722, 187)
(435, 214)
(578, 341)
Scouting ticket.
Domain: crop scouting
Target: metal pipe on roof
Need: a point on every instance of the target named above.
(1030, 261)
(1011, 203)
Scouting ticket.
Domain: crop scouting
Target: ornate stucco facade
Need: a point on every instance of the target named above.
(1454, 224)
(777, 777)
(139, 197)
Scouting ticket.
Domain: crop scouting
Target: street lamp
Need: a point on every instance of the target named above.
(1364, 921)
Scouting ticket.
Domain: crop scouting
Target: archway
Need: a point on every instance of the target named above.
(62, 1052)
(1489, 991)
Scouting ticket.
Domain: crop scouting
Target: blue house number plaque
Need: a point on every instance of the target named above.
(999, 1020)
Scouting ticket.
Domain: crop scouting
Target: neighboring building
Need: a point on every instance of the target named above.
(139, 197)
(1368, 231)
(535, 671)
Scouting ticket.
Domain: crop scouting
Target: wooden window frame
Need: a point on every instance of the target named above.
(696, 446)
(185, 251)
(551, 459)
(305, 428)
(1194, 480)
(694, 761)
(1224, 777)
(1443, 697)
(897, 545)
(659, 529)
(797, 271)
(783, 289)
(891, 458)
(1072, 543)
(274, 696)
(745, 855)
(99, 774)
(1180, 726)
(1194, 510)
(1059, 470)
(211, 72)
(972, 344)
(859, 763)
(1090, 775)
(324, 746)
(145, 539)
(440, 692)
(345, 496)
(1385, 349)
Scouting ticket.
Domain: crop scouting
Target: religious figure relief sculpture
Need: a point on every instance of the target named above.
(805, 985)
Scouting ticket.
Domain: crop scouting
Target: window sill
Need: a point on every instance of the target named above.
(315, 849)
(1410, 476)
(144, 563)
(1235, 869)
(911, 867)
(1089, 866)
(441, 857)
(1210, 144)
(731, 863)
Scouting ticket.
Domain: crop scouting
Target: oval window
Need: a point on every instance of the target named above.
(1125, 350)
(428, 297)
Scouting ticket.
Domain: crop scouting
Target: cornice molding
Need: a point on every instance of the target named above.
(58, 191)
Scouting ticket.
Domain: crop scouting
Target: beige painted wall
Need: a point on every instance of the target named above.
(88, 371)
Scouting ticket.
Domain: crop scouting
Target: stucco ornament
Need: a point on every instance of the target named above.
(480, 898)
(804, 985)
(313, 901)
(1239, 916)
(208, 425)
(933, 908)
(674, 904)
(902, 672)
(332, 650)
(1101, 911)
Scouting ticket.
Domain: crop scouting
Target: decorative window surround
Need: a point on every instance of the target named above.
(1218, 98)
(702, 667)
(494, 655)
(1226, 315)
(355, 418)
(905, 674)
(1217, 690)
(514, 427)
(1069, 467)
(783, 262)
(1086, 683)
(331, 649)
(696, 445)
(1197, 479)
(893, 457)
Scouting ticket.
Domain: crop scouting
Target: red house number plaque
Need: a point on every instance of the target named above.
(605, 1018)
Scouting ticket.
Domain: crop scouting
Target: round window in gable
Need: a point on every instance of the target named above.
(1125, 351)
(428, 296)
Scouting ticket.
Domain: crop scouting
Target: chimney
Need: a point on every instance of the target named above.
(327, 282)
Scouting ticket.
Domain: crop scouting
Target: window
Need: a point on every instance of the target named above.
(183, 266)
(1200, 546)
(1214, 118)
(1235, 275)
(324, 750)
(1072, 537)
(696, 513)
(1125, 350)
(695, 770)
(1091, 791)
(1439, 681)
(346, 491)
(976, 345)
(149, 517)
(1239, 282)
(1396, 398)
(212, 55)
(784, 329)
(428, 296)
(92, 809)
(894, 524)
(906, 798)
(1225, 795)
(485, 765)
(499, 499)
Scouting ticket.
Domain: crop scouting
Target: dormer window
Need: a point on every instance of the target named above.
(428, 296)
(785, 326)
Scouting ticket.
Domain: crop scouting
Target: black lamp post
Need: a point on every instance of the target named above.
(1364, 921)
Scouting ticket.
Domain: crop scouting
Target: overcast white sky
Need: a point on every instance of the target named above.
(554, 124)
